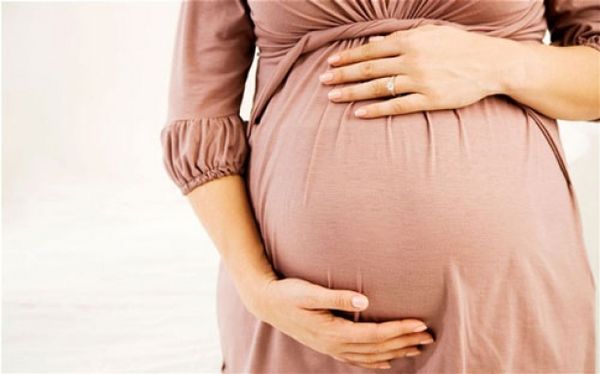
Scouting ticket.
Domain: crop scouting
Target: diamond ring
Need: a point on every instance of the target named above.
(391, 85)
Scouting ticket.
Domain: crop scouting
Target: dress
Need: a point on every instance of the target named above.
(463, 218)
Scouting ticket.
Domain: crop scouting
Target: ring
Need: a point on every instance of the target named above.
(391, 85)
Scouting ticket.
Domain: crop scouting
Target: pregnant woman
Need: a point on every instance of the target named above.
(433, 186)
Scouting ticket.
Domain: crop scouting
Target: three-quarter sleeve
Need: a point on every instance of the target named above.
(204, 136)
(573, 22)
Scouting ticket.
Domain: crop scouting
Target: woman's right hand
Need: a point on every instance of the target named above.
(301, 310)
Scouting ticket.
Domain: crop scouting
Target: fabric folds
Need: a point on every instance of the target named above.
(198, 150)
(574, 22)
(203, 135)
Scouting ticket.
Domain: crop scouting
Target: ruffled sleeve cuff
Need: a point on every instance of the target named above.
(196, 151)
(583, 39)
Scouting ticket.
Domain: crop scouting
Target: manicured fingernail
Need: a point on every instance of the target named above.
(360, 112)
(333, 59)
(428, 341)
(359, 301)
(413, 353)
(420, 328)
(334, 94)
(326, 77)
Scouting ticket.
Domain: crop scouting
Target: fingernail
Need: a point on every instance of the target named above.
(326, 77)
(385, 366)
(426, 341)
(359, 301)
(334, 94)
(360, 112)
(420, 328)
(333, 59)
(413, 353)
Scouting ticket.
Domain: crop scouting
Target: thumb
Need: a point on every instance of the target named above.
(327, 298)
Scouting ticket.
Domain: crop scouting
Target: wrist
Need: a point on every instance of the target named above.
(512, 66)
(252, 287)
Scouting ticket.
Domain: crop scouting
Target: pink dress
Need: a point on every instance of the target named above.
(464, 218)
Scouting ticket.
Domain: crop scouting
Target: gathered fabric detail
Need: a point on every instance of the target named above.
(590, 41)
(198, 150)
(573, 22)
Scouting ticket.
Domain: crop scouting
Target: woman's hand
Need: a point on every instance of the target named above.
(436, 66)
(300, 309)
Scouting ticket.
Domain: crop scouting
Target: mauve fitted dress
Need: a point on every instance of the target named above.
(464, 218)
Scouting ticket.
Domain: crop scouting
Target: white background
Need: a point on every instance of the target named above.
(105, 267)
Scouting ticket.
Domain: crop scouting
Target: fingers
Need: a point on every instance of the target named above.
(372, 89)
(372, 332)
(378, 365)
(365, 344)
(317, 297)
(362, 358)
(396, 343)
(401, 105)
(380, 48)
(364, 70)
(377, 355)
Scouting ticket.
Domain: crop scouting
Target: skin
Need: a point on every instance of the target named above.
(298, 308)
(432, 61)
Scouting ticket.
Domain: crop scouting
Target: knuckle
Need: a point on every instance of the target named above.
(383, 87)
(409, 59)
(397, 36)
(378, 334)
(437, 97)
(328, 337)
(411, 39)
(380, 88)
(339, 299)
(367, 69)
(351, 335)
(377, 349)
(336, 335)
(397, 105)
(407, 42)
(374, 89)
(309, 300)
(355, 338)
(367, 50)
(368, 336)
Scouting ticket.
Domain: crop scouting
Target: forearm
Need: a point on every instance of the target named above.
(561, 82)
(223, 208)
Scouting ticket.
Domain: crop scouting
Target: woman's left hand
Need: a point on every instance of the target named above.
(436, 66)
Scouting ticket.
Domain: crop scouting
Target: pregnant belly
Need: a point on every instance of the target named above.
(401, 208)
